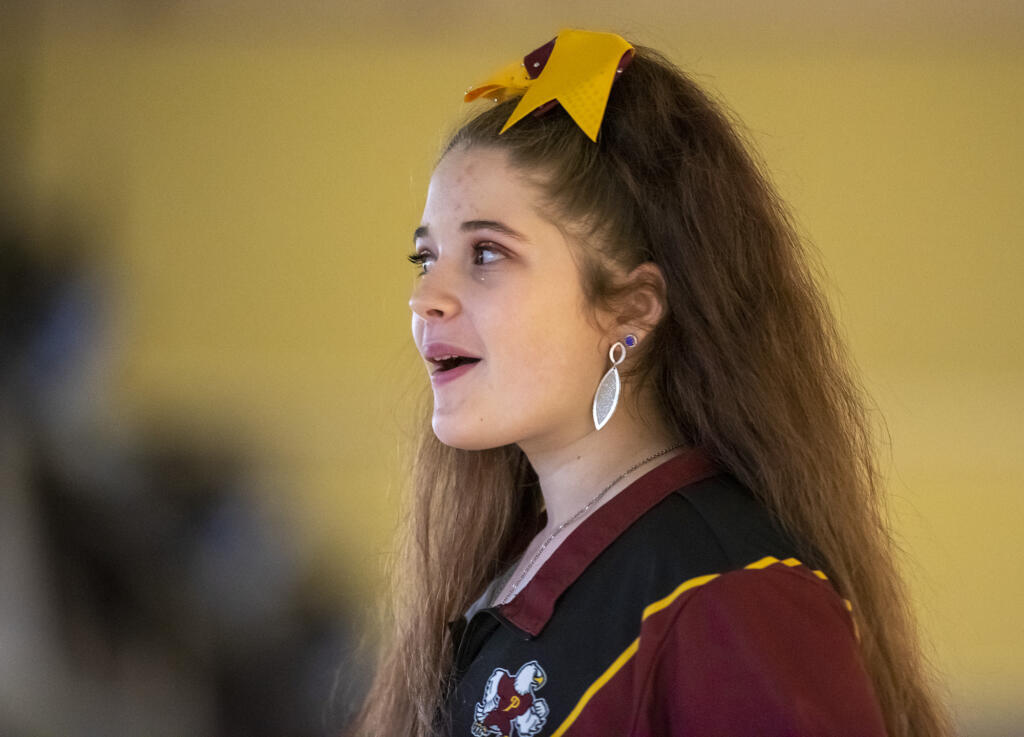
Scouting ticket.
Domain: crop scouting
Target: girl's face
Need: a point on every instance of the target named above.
(499, 289)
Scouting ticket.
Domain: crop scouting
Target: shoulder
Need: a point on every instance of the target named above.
(715, 525)
(700, 531)
(768, 650)
(764, 599)
(771, 649)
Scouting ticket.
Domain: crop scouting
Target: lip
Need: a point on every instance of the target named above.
(439, 378)
(434, 350)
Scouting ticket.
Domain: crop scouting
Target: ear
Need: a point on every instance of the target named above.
(643, 302)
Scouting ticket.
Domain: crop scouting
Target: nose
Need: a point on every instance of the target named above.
(433, 298)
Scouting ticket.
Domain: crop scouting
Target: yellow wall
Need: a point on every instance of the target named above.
(256, 178)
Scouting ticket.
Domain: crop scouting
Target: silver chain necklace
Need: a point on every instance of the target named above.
(579, 513)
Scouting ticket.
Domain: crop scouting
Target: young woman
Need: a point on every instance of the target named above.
(646, 502)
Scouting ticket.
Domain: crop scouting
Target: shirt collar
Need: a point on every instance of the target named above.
(533, 606)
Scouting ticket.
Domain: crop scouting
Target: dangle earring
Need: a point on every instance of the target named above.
(606, 398)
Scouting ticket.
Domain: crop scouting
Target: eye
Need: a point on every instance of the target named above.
(423, 259)
(486, 253)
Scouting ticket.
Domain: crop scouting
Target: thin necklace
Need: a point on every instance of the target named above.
(583, 510)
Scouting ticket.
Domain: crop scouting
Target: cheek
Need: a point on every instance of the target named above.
(541, 354)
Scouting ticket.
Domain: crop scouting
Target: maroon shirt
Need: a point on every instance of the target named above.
(677, 608)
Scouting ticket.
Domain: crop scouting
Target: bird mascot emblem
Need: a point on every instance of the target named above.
(510, 707)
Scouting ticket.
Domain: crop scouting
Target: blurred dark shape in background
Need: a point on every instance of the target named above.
(144, 590)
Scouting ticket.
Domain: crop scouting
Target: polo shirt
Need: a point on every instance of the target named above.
(676, 608)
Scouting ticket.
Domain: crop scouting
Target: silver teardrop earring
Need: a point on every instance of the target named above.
(606, 398)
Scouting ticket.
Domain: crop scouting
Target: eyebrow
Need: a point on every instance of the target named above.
(471, 225)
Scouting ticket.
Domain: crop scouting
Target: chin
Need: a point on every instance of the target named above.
(461, 435)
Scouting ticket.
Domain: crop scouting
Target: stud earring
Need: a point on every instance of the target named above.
(606, 398)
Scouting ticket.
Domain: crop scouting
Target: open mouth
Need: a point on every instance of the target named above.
(447, 363)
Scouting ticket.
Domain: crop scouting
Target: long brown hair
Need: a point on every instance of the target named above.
(747, 363)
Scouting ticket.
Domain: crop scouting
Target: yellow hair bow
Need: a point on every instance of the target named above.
(576, 69)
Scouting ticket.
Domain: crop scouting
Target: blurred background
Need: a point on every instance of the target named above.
(206, 380)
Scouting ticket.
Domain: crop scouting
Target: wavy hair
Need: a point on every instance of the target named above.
(747, 362)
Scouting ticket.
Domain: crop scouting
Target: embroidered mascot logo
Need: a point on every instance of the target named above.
(510, 707)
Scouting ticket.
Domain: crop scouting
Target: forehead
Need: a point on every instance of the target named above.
(469, 180)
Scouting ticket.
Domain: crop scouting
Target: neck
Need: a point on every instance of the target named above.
(573, 471)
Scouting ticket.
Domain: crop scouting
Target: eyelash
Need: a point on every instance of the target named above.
(420, 258)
